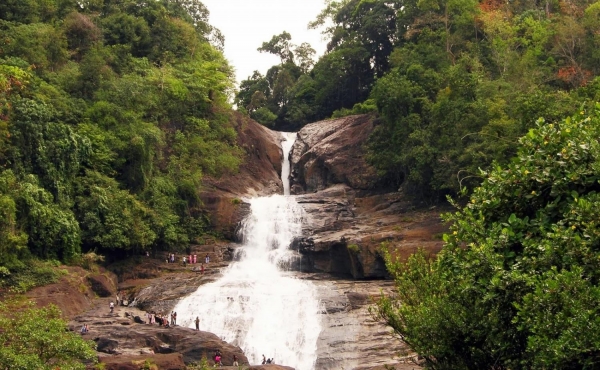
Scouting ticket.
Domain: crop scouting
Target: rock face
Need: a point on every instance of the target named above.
(74, 292)
(259, 175)
(331, 152)
(349, 216)
(350, 337)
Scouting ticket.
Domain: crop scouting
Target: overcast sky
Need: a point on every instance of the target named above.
(246, 24)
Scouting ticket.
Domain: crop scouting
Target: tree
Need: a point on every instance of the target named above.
(279, 45)
(304, 54)
(37, 338)
(518, 277)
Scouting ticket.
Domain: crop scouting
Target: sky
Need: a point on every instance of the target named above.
(246, 24)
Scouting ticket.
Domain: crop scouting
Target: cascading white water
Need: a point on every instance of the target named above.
(255, 304)
(286, 146)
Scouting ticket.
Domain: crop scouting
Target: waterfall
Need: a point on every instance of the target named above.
(256, 305)
(286, 146)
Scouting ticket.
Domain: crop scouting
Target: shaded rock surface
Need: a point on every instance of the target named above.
(173, 361)
(259, 175)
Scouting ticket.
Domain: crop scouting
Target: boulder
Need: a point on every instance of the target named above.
(106, 345)
(332, 152)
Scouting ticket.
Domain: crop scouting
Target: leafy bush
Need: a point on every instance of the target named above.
(88, 260)
(518, 280)
(36, 338)
(33, 273)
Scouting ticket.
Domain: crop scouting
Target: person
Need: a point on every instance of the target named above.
(184, 260)
(117, 298)
(202, 268)
(235, 361)
(218, 358)
(111, 306)
(206, 259)
(174, 318)
(197, 321)
(84, 329)
(268, 361)
(264, 361)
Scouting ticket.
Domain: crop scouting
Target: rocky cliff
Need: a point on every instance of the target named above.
(349, 215)
(259, 175)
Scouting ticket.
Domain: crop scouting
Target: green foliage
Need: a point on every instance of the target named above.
(368, 106)
(111, 113)
(517, 281)
(29, 274)
(200, 365)
(353, 248)
(89, 260)
(37, 338)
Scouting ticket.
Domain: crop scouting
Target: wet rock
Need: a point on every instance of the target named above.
(350, 338)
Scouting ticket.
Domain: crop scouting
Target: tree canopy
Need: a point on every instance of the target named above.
(518, 281)
(111, 114)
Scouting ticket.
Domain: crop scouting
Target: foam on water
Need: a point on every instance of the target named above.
(256, 304)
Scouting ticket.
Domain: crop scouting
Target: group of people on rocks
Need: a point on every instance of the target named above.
(267, 360)
(120, 301)
(185, 259)
(171, 320)
(162, 319)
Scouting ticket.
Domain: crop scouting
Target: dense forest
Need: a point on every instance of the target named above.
(111, 113)
(455, 82)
